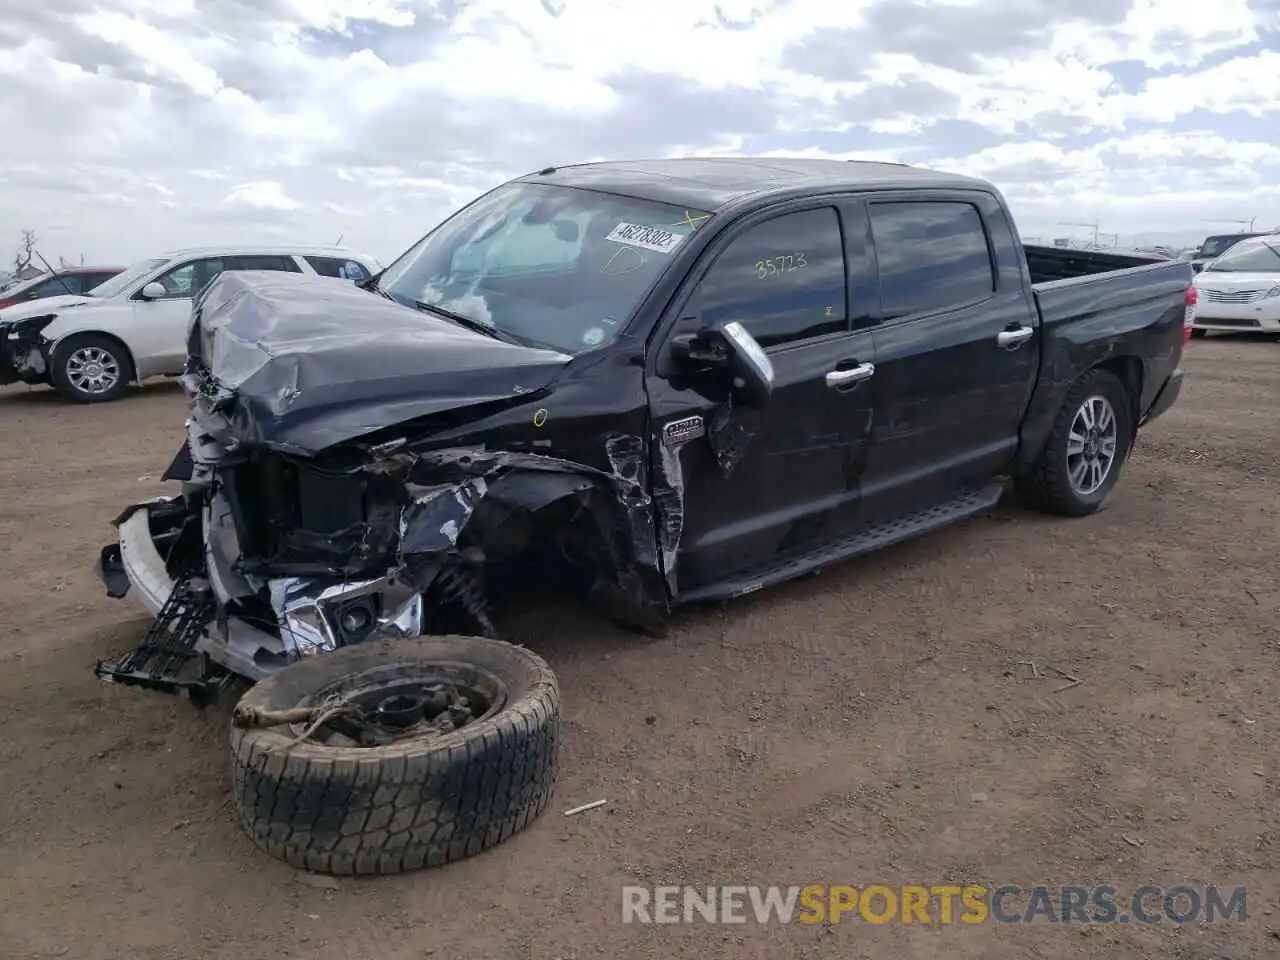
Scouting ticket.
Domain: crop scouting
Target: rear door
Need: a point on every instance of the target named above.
(957, 348)
(756, 484)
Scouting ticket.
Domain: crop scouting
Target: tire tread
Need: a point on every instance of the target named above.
(421, 803)
(1045, 486)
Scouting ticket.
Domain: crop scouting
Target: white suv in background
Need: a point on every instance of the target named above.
(90, 347)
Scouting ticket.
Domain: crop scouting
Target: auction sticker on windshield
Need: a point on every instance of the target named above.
(649, 238)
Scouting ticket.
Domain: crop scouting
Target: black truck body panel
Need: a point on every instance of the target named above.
(377, 434)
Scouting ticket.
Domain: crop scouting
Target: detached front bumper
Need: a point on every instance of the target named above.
(133, 566)
(314, 614)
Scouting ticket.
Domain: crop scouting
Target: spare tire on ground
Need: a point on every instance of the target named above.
(384, 785)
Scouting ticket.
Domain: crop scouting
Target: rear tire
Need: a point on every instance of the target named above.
(1197, 334)
(1065, 478)
(90, 368)
(420, 802)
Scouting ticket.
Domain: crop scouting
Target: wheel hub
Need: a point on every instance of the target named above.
(1092, 444)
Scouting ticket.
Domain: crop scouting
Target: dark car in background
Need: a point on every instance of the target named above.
(71, 280)
(1215, 246)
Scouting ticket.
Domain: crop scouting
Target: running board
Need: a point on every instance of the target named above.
(166, 660)
(870, 538)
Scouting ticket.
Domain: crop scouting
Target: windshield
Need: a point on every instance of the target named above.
(1217, 246)
(1263, 257)
(121, 281)
(544, 265)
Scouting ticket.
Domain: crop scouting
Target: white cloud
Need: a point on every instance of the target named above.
(137, 125)
(263, 195)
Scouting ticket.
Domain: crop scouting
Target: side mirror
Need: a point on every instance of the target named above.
(730, 347)
(752, 369)
(154, 291)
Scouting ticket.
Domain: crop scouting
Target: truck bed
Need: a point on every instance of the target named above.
(1125, 310)
(1131, 290)
(1048, 264)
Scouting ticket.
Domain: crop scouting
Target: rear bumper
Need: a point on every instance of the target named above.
(1165, 399)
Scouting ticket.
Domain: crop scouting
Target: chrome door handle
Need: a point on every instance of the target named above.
(1013, 338)
(863, 371)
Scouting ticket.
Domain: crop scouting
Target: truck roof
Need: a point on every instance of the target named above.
(709, 183)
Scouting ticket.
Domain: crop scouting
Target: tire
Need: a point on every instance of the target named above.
(421, 802)
(91, 350)
(1198, 333)
(1048, 485)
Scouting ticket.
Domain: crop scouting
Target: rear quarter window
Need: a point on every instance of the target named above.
(341, 268)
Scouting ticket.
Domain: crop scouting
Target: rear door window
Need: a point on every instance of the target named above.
(280, 264)
(91, 280)
(57, 287)
(932, 256)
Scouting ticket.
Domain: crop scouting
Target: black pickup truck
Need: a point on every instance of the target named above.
(654, 382)
(668, 381)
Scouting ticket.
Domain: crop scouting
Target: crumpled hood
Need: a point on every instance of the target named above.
(313, 362)
(38, 308)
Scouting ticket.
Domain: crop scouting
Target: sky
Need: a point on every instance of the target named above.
(130, 127)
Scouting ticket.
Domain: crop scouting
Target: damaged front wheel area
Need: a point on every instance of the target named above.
(395, 755)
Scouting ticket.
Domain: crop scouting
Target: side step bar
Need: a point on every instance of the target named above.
(870, 538)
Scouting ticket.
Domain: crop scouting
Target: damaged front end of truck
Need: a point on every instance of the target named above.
(338, 488)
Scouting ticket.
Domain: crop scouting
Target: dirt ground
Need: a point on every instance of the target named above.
(867, 726)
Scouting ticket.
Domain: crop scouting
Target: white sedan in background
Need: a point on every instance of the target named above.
(90, 347)
(1240, 290)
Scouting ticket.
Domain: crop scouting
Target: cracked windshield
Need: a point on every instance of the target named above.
(544, 266)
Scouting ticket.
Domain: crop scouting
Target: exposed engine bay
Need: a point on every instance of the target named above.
(326, 533)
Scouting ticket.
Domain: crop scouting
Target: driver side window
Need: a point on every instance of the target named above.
(783, 279)
(184, 282)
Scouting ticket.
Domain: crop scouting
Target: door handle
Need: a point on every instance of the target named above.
(839, 378)
(1014, 338)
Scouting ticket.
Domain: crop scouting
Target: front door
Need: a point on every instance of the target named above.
(159, 334)
(756, 484)
(957, 350)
